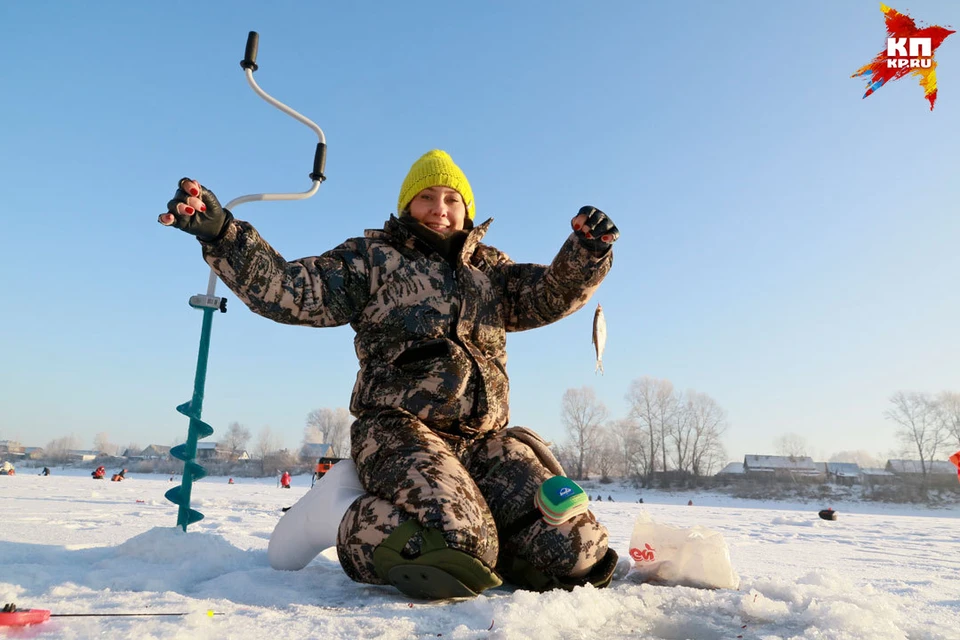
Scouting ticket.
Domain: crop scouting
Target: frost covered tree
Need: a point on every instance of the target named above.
(102, 444)
(58, 450)
(791, 445)
(235, 439)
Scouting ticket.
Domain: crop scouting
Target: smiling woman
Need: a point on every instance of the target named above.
(438, 208)
(447, 488)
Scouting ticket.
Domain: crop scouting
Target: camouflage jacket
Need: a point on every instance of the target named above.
(430, 335)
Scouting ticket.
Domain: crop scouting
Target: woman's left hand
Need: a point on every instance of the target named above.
(594, 228)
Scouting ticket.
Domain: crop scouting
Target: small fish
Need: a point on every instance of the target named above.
(599, 336)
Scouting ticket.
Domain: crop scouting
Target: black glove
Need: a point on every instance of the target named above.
(597, 232)
(207, 224)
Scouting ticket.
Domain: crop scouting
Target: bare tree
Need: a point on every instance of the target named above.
(564, 455)
(918, 426)
(629, 446)
(235, 439)
(132, 449)
(791, 445)
(652, 403)
(583, 415)
(680, 434)
(948, 410)
(279, 460)
(267, 443)
(607, 460)
(707, 423)
(329, 426)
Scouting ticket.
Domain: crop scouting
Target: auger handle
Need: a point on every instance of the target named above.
(250, 55)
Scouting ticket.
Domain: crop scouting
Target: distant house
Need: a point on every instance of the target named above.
(155, 452)
(34, 453)
(873, 477)
(82, 455)
(212, 451)
(316, 451)
(781, 467)
(732, 468)
(845, 473)
(11, 449)
(132, 454)
(217, 451)
(939, 472)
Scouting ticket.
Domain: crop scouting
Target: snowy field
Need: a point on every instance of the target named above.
(74, 545)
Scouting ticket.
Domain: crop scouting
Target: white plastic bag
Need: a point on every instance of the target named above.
(696, 557)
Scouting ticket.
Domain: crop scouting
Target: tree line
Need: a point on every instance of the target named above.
(927, 424)
(664, 430)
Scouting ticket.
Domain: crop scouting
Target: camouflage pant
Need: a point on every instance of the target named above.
(470, 492)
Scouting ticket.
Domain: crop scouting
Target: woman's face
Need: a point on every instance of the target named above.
(439, 208)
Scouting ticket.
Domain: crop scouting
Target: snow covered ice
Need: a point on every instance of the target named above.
(74, 545)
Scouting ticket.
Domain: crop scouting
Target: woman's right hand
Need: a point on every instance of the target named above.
(197, 211)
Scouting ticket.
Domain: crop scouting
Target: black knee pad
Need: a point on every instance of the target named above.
(437, 573)
(526, 576)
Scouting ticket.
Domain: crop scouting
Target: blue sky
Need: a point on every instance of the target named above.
(787, 248)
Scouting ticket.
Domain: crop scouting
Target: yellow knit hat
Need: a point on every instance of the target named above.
(435, 169)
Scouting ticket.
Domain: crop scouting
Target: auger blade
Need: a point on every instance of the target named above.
(192, 516)
(185, 409)
(179, 452)
(194, 469)
(173, 495)
(201, 428)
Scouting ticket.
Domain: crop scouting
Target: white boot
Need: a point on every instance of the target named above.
(311, 525)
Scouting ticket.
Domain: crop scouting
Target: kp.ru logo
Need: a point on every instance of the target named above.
(909, 51)
(920, 56)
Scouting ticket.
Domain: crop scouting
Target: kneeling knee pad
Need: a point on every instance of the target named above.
(438, 572)
(560, 499)
(526, 576)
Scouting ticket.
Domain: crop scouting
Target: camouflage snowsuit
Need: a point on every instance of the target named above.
(430, 439)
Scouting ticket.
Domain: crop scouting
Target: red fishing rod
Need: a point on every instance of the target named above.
(10, 616)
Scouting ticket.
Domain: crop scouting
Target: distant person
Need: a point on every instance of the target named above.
(609, 498)
(117, 477)
(285, 480)
(828, 514)
(45, 472)
(230, 481)
(689, 503)
(6, 469)
(640, 501)
(99, 473)
(321, 470)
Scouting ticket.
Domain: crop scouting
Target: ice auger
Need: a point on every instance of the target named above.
(209, 303)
